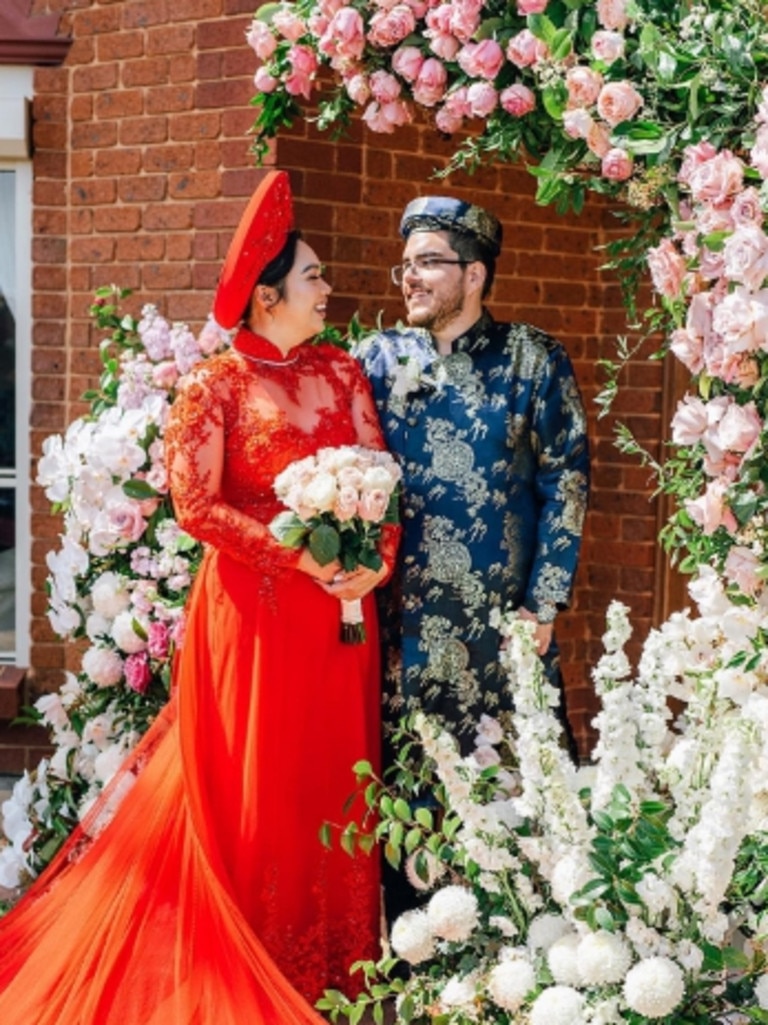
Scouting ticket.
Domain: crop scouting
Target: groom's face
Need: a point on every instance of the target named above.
(434, 280)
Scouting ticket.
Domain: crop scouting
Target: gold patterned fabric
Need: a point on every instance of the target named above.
(492, 441)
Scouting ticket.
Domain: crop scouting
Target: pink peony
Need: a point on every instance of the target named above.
(612, 14)
(344, 36)
(358, 89)
(616, 165)
(481, 60)
(386, 117)
(429, 87)
(607, 46)
(482, 98)
(159, 639)
(137, 672)
(618, 101)
(524, 49)
(388, 28)
(518, 100)
(583, 85)
(407, 62)
(385, 88)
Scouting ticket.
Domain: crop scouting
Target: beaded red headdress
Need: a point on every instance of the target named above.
(260, 236)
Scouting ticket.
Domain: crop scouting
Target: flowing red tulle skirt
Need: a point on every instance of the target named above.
(197, 891)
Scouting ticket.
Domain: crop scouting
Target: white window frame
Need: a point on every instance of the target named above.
(16, 85)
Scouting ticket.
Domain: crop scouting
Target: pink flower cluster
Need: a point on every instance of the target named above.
(347, 483)
(440, 59)
(714, 268)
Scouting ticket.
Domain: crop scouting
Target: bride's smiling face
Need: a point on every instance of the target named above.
(304, 301)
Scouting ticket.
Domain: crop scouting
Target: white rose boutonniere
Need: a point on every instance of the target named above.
(408, 376)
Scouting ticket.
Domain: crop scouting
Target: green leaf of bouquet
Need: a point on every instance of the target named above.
(424, 818)
(402, 810)
(288, 529)
(324, 543)
(555, 99)
(561, 44)
(542, 28)
(604, 919)
(138, 489)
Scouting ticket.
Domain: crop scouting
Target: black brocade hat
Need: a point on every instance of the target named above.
(444, 213)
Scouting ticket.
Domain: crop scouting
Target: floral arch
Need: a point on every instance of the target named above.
(660, 868)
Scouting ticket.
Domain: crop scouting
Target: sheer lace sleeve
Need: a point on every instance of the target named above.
(196, 444)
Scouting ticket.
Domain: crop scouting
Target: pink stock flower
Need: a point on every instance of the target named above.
(524, 49)
(612, 14)
(607, 46)
(667, 268)
(481, 60)
(407, 62)
(429, 87)
(166, 374)
(618, 101)
(518, 100)
(482, 98)
(583, 85)
(137, 672)
(617, 165)
(387, 28)
(525, 7)
(261, 39)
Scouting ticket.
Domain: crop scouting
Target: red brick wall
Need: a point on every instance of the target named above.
(141, 170)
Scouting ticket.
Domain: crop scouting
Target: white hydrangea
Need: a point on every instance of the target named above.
(603, 958)
(103, 665)
(562, 960)
(545, 929)
(558, 1005)
(458, 993)
(510, 981)
(411, 937)
(654, 987)
(453, 913)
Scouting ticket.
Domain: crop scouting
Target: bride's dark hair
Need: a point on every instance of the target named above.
(275, 272)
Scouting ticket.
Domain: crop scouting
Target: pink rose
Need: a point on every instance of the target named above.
(693, 156)
(690, 421)
(583, 85)
(358, 89)
(524, 49)
(289, 25)
(716, 180)
(263, 81)
(667, 269)
(429, 87)
(137, 672)
(710, 510)
(388, 28)
(346, 503)
(317, 24)
(758, 155)
(447, 121)
(464, 20)
(688, 348)
(304, 63)
(612, 14)
(525, 7)
(450, 117)
(387, 117)
(577, 124)
(599, 139)
(444, 45)
(482, 98)
(373, 505)
(616, 165)
(259, 37)
(740, 369)
(345, 35)
(739, 428)
(742, 567)
(741, 319)
(126, 519)
(747, 208)
(407, 62)
(607, 46)
(745, 256)
(385, 88)
(481, 60)
(518, 100)
(618, 101)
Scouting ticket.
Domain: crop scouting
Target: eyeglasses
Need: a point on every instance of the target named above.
(422, 264)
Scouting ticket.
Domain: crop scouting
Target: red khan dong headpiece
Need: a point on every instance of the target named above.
(260, 235)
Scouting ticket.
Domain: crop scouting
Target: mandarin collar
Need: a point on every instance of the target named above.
(257, 347)
(470, 338)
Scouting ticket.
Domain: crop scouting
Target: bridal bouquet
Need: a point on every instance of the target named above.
(337, 501)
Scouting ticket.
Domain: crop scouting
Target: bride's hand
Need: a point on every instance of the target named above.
(356, 583)
(322, 574)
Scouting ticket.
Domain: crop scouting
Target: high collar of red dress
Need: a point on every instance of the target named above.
(259, 348)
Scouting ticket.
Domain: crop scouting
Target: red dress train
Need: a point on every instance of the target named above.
(197, 891)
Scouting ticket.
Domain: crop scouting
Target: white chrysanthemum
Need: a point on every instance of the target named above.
(603, 958)
(103, 665)
(562, 960)
(558, 1005)
(510, 982)
(654, 987)
(458, 993)
(110, 595)
(124, 635)
(412, 938)
(452, 913)
(545, 929)
(761, 992)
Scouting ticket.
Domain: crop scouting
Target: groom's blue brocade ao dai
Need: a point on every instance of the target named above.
(492, 441)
